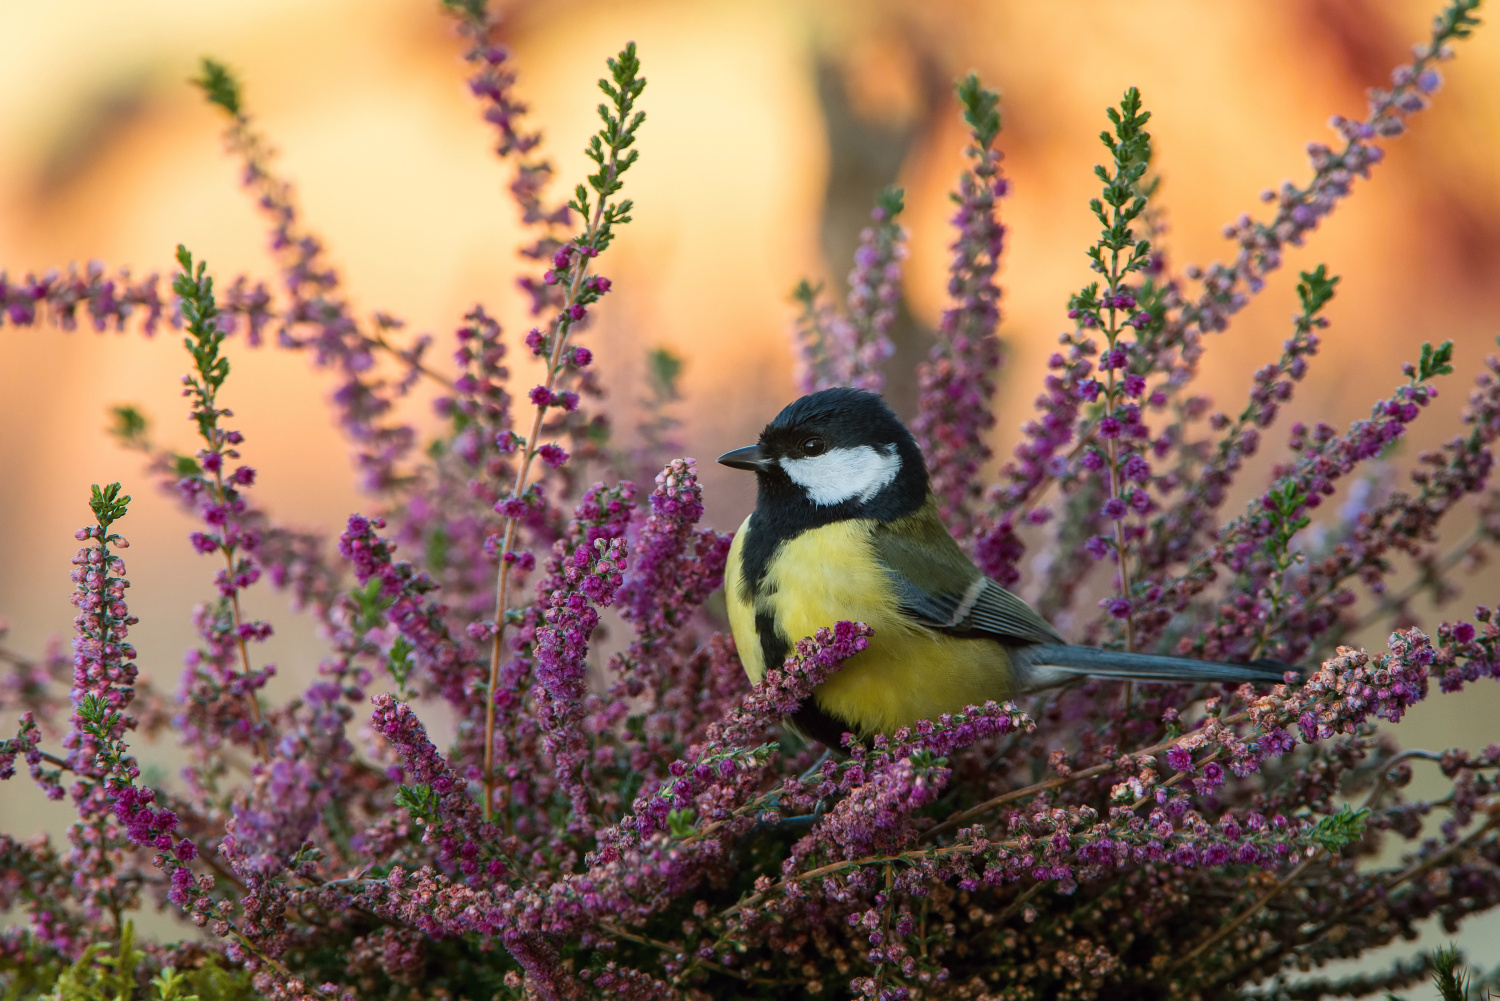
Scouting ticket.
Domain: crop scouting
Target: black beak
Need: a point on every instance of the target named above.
(748, 457)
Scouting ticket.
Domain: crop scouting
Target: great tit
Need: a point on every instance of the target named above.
(845, 527)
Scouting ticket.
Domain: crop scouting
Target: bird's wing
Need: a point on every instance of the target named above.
(941, 587)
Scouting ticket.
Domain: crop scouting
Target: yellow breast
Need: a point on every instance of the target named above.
(909, 672)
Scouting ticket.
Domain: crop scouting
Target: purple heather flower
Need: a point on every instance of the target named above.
(552, 455)
(1136, 468)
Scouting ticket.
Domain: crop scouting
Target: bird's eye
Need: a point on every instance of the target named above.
(813, 446)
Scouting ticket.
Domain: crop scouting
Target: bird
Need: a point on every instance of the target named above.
(846, 528)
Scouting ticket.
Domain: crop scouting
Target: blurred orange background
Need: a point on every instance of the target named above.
(771, 123)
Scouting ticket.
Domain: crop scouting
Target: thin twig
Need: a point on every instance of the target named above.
(1085, 773)
(1302, 867)
(1248, 913)
(379, 341)
(615, 931)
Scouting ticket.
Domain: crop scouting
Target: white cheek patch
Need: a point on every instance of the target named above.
(844, 473)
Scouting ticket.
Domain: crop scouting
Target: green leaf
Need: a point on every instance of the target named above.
(419, 800)
(1457, 20)
(680, 822)
(1315, 289)
(218, 85)
(981, 109)
(400, 663)
(107, 504)
(1448, 974)
(663, 368)
(1343, 828)
(171, 986)
(474, 10)
(892, 201)
(1435, 361)
(129, 425)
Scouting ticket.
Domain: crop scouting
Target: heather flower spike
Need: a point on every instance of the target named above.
(217, 492)
(565, 786)
(957, 381)
(848, 348)
(610, 151)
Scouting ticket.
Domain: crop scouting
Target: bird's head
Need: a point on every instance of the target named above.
(838, 453)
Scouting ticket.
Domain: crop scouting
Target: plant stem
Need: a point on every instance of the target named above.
(560, 328)
(234, 605)
(1248, 913)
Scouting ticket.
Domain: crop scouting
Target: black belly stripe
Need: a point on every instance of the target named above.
(773, 648)
(812, 721)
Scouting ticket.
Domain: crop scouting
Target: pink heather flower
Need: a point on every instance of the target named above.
(511, 507)
(643, 780)
(552, 455)
(1136, 469)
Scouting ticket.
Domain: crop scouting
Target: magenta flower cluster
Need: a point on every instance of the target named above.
(530, 764)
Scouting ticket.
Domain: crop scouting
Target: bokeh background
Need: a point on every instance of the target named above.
(771, 125)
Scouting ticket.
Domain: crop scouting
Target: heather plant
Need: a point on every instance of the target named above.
(629, 819)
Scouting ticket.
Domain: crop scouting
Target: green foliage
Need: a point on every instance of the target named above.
(100, 721)
(1452, 980)
(1285, 503)
(1130, 145)
(1122, 201)
(1449, 975)
(1435, 361)
(1457, 20)
(107, 504)
(218, 85)
(981, 110)
(663, 367)
(129, 426)
(200, 312)
(400, 663)
(1315, 289)
(370, 605)
(610, 148)
(680, 822)
(474, 10)
(418, 800)
(893, 199)
(1342, 829)
(110, 974)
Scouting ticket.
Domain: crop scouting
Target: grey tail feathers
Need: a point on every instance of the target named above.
(1047, 664)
